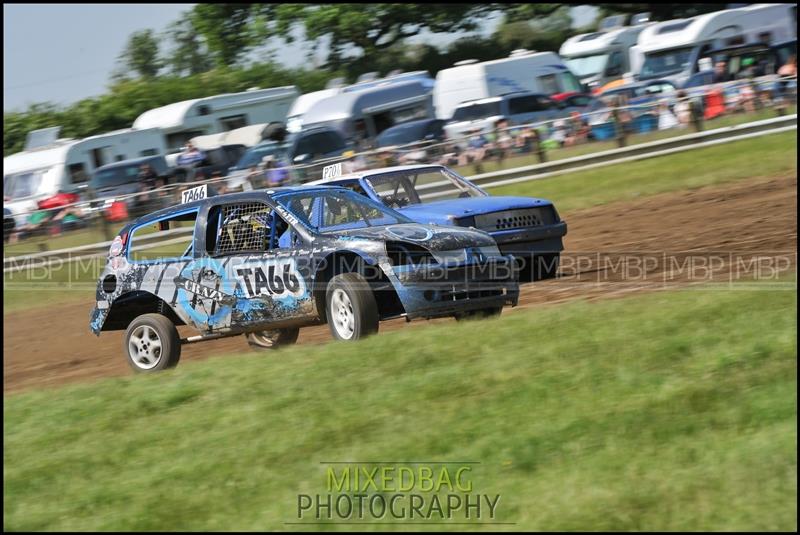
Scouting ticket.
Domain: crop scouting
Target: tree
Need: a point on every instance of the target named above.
(140, 54)
(189, 54)
(545, 32)
(226, 28)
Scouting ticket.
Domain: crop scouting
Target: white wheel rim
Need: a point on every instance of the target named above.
(342, 315)
(144, 347)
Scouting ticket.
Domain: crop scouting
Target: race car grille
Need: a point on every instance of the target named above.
(515, 219)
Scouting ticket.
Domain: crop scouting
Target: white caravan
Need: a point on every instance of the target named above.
(523, 70)
(672, 50)
(49, 164)
(181, 121)
(602, 56)
(294, 122)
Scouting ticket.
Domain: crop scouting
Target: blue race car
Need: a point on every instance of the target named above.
(528, 228)
(265, 263)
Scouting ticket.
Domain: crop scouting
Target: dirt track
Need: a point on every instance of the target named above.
(715, 223)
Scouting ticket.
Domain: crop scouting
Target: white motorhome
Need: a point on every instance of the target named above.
(181, 121)
(49, 164)
(602, 56)
(538, 72)
(294, 122)
(363, 114)
(672, 50)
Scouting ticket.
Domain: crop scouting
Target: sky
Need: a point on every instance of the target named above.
(61, 53)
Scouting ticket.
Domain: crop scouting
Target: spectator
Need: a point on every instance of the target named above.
(276, 176)
(789, 68)
(720, 73)
(502, 140)
(191, 155)
(559, 134)
(476, 146)
(578, 129)
(666, 119)
(147, 177)
(747, 98)
(682, 109)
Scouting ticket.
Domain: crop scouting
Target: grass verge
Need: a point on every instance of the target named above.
(670, 411)
(763, 156)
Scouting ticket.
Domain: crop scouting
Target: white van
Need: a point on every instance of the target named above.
(522, 71)
(602, 56)
(672, 50)
(49, 164)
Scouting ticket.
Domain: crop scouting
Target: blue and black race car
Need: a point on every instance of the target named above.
(265, 263)
(528, 228)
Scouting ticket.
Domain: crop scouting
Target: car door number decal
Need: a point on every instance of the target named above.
(275, 278)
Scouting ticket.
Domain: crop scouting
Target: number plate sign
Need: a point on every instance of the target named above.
(332, 171)
(195, 194)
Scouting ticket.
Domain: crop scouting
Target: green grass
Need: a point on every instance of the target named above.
(758, 157)
(671, 411)
(589, 148)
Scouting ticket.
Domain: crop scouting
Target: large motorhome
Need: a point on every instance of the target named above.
(181, 121)
(601, 56)
(294, 122)
(49, 164)
(523, 70)
(362, 115)
(672, 50)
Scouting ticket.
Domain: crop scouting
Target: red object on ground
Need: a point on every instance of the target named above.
(58, 200)
(118, 211)
(715, 104)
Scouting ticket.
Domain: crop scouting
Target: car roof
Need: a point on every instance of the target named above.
(254, 195)
(366, 173)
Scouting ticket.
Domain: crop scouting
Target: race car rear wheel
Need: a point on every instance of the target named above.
(484, 313)
(152, 344)
(272, 339)
(351, 307)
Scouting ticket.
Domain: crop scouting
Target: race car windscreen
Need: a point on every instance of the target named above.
(414, 186)
(332, 211)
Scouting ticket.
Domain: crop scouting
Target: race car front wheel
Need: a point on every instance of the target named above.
(272, 339)
(152, 344)
(351, 307)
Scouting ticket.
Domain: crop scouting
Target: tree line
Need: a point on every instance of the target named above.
(225, 48)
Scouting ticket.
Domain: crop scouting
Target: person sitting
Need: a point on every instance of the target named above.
(191, 155)
(720, 73)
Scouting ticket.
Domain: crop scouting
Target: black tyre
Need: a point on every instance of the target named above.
(272, 339)
(484, 313)
(351, 308)
(152, 344)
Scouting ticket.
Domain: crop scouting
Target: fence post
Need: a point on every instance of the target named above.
(540, 151)
(696, 116)
(620, 128)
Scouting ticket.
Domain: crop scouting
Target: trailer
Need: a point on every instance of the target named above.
(673, 50)
(50, 164)
(602, 56)
(181, 121)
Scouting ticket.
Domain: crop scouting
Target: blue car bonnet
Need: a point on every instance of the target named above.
(437, 211)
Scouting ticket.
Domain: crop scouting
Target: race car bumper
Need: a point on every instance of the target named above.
(541, 239)
(437, 291)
